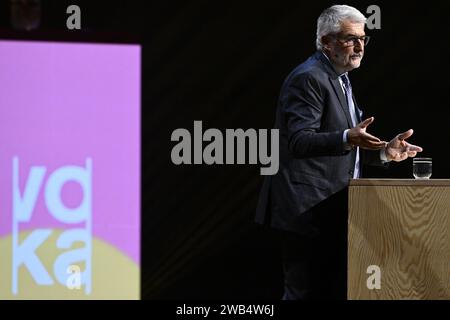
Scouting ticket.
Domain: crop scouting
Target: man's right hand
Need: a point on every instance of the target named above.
(358, 137)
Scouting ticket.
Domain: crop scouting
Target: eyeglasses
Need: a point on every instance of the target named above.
(353, 41)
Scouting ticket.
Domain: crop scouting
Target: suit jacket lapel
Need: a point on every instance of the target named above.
(343, 101)
(334, 80)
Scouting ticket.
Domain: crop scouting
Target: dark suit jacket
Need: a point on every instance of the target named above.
(312, 116)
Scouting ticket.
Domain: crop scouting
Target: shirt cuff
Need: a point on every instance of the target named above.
(383, 156)
(347, 146)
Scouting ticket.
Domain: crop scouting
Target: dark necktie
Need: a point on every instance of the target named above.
(351, 106)
(349, 96)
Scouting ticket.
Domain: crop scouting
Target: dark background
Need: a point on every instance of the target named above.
(223, 62)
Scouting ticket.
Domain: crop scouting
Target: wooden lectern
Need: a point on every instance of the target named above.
(399, 239)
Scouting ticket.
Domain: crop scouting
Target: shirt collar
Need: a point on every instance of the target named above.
(339, 75)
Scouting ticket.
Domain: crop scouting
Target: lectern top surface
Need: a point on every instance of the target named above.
(400, 182)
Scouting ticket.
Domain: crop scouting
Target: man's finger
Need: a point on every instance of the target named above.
(372, 148)
(369, 137)
(412, 147)
(405, 135)
(412, 154)
(368, 145)
(366, 123)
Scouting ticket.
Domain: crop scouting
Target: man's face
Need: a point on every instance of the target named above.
(344, 50)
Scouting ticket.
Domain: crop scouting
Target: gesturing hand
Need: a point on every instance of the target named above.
(358, 136)
(398, 149)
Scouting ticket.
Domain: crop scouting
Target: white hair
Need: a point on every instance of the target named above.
(330, 21)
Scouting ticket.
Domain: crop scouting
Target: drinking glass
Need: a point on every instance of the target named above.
(422, 168)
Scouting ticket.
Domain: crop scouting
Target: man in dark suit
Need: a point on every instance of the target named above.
(323, 142)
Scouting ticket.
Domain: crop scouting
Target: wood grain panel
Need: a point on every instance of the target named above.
(405, 231)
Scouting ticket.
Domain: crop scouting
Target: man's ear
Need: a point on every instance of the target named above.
(326, 42)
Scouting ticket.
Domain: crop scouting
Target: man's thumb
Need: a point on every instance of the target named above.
(406, 135)
(366, 123)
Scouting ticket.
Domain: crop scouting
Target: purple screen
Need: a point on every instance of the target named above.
(69, 160)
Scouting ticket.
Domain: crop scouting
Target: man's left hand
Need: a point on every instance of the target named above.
(398, 149)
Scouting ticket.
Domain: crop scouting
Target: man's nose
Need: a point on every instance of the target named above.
(358, 44)
(358, 47)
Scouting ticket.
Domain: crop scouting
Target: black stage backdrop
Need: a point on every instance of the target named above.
(223, 63)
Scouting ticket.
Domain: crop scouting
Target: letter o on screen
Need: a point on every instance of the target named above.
(53, 193)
